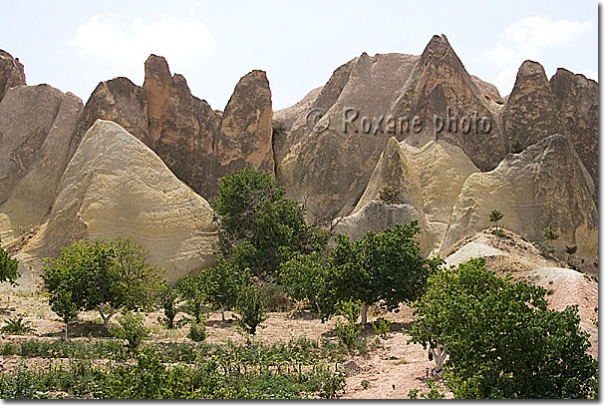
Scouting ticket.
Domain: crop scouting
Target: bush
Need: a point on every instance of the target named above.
(16, 326)
(348, 332)
(197, 331)
(381, 326)
(132, 329)
(251, 308)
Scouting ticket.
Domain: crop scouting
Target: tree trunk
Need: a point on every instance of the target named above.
(65, 331)
(222, 312)
(364, 313)
(439, 354)
(105, 318)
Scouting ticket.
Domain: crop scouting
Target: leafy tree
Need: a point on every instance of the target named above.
(502, 340)
(258, 226)
(62, 304)
(191, 289)
(167, 298)
(303, 277)
(8, 268)
(348, 332)
(131, 328)
(495, 216)
(251, 308)
(570, 250)
(550, 234)
(221, 283)
(385, 268)
(104, 275)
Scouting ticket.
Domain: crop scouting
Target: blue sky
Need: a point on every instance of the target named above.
(74, 44)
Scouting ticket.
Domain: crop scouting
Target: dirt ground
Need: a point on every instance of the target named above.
(391, 370)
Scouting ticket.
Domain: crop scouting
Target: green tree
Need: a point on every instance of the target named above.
(303, 277)
(570, 250)
(251, 308)
(63, 305)
(191, 289)
(8, 268)
(167, 298)
(258, 226)
(131, 328)
(385, 268)
(501, 339)
(104, 274)
(550, 234)
(220, 284)
(495, 216)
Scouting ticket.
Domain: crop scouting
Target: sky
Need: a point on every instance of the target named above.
(74, 44)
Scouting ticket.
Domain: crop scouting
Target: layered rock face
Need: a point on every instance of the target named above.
(12, 73)
(423, 128)
(543, 185)
(199, 145)
(116, 186)
(36, 126)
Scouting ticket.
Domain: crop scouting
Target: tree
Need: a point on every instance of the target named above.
(502, 340)
(192, 290)
(258, 227)
(220, 284)
(495, 216)
(8, 268)
(550, 234)
(167, 298)
(104, 274)
(386, 267)
(570, 250)
(251, 308)
(62, 304)
(303, 277)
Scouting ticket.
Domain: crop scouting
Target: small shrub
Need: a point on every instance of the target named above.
(365, 384)
(17, 326)
(197, 331)
(500, 233)
(278, 127)
(389, 194)
(251, 308)
(381, 326)
(348, 332)
(132, 329)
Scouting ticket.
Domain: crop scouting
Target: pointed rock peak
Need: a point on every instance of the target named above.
(531, 68)
(438, 46)
(156, 67)
(392, 143)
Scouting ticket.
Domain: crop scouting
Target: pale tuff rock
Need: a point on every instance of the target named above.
(12, 73)
(543, 185)
(36, 126)
(116, 186)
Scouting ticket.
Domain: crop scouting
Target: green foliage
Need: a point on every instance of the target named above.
(365, 384)
(348, 332)
(258, 227)
(220, 284)
(385, 268)
(197, 331)
(502, 340)
(103, 274)
(500, 233)
(17, 326)
(168, 297)
(8, 268)
(303, 277)
(286, 370)
(251, 308)
(61, 302)
(381, 326)
(191, 288)
(131, 328)
(389, 195)
(495, 216)
(570, 250)
(550, 234)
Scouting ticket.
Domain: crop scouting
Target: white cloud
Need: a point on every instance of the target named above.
(529, 38)
(124, 44)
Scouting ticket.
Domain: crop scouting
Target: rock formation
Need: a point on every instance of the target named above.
(543, 185)
(577, 107)
(12, 73)
(116, 186)
(36, 125)
(530, 113)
